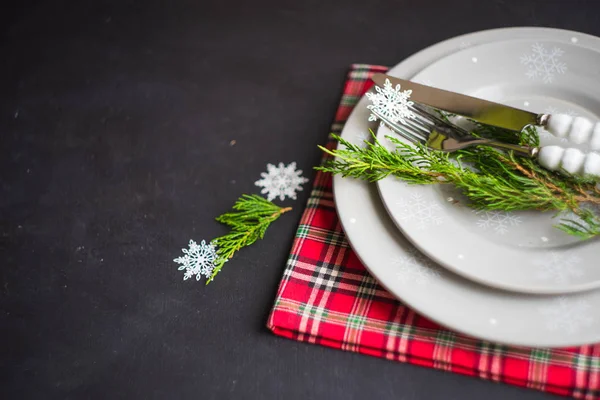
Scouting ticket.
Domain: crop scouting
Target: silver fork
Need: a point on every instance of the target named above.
(437, 134)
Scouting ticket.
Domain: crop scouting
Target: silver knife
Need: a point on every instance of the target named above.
(576, 129)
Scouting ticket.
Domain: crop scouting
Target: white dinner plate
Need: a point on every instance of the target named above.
(442, 296)
(520, 251)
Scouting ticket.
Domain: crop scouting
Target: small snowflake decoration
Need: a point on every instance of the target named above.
(413, 267)
(498, 221)
(199, 260)
(558, 267)
(567, 315)
(425, 213)
(281, 181)
(544, 64)
(391, 102)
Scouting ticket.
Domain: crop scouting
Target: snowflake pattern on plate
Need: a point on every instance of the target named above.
(391, 102)
(567, 315)
(558, 267)
(199, 260)
(498, 221)
(544, 64)
(414, 267)
(281, 181)
(416, 209)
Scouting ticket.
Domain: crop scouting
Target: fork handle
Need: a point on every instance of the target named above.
(557, 158)
(524, 151)
(570, 160)
(577, 130)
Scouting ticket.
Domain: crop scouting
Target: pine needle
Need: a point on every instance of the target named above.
(491, 179)
(249, 221)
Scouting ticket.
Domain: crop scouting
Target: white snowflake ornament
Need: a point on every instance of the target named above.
(568, 315)
(558, 267)
(413, 267)
(544, 64)
(498, 221)
(199, 260)
(391, 102)
(424, 213)
(281, 181)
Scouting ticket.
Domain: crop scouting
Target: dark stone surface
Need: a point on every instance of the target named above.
(115, 123)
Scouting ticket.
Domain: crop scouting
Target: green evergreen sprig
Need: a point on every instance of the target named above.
(491, 179)
(249, 221)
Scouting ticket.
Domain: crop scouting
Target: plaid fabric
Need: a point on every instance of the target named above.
(327, 297)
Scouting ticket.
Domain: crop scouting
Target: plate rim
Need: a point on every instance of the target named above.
(412, 65)
(386, 185)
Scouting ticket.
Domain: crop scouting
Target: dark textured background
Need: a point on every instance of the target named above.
(115, 123)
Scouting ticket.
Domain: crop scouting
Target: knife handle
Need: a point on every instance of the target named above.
(571, 160)
(576, 129)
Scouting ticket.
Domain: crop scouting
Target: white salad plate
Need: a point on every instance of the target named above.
(447, 298)
(521, 251)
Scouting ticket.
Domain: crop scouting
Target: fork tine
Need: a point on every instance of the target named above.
(433, 119)
(420, 126)
(423, 115)
(416, 128)
(404, 131)
(428, 116)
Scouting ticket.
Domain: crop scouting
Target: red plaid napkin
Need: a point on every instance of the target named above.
(327, 297)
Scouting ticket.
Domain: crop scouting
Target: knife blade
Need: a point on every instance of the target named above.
(484, 111)
(576, 129)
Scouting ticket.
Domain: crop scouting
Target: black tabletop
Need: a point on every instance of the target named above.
(116, 122)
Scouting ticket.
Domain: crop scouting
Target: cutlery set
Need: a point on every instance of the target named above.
(516, 278)
(422, 125)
